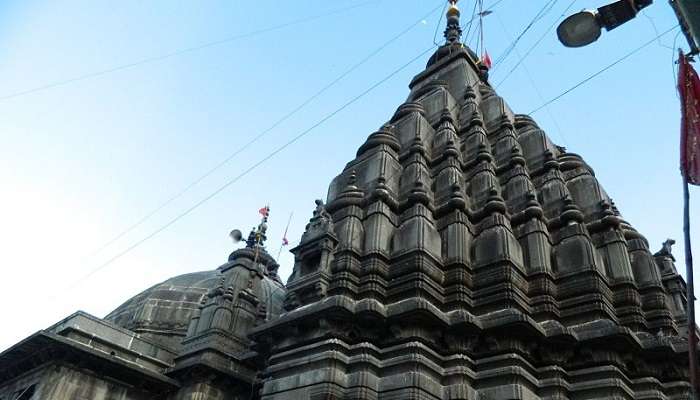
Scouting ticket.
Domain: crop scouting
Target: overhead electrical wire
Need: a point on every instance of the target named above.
(656, 30)
(540, 14)
(492, 6)
(481, 46)
(468, 23)
(207, 198)
(467, 40)
(596, 74)
(175, 53)
(252, 167)
(474, 38)
(673, 64)
(534, 85)
(471, 20)
(537, 42)
(549, 112)
(264, 132)
(437, 26)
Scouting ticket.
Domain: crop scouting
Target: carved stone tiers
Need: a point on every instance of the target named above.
(461, 255)
(466, 256)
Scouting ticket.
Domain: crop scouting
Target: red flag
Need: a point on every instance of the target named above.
(486, 59)
(689, 88)
(285, 242)
(265, 211)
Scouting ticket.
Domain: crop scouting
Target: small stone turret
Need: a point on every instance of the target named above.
(217, 344)
(313, 256)
(674, 285)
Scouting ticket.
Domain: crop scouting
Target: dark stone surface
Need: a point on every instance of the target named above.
(461, 255)
(473, 258)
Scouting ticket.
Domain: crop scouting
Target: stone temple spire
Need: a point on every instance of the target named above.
(453, 32)
(453, 36)
(490, 264)
(460, 255)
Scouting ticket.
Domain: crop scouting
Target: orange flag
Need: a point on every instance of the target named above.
(689, 88)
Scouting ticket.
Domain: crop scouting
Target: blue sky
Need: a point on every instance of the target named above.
(82, 161)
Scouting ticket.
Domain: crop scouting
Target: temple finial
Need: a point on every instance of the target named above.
(453, 33)
(257, 236)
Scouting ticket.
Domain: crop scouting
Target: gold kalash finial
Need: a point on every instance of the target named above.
(453, 10)
(453, 32)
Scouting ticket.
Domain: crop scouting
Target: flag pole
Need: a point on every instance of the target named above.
(690, 287)
(259, 235)
(689, 89)
(279, 253)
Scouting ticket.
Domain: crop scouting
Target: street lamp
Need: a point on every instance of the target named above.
(580, 29)
(584, 28)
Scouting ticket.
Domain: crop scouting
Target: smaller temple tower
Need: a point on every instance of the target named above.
(184, 339)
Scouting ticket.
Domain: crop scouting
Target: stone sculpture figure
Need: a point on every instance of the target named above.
(666, 249)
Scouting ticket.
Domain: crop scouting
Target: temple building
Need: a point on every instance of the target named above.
(461, 255)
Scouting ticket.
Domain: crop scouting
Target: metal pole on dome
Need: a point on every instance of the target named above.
(689, 90)
(260, 232)
(690, 292)
(285, 241)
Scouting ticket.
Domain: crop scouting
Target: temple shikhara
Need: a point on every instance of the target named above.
(460, 255)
